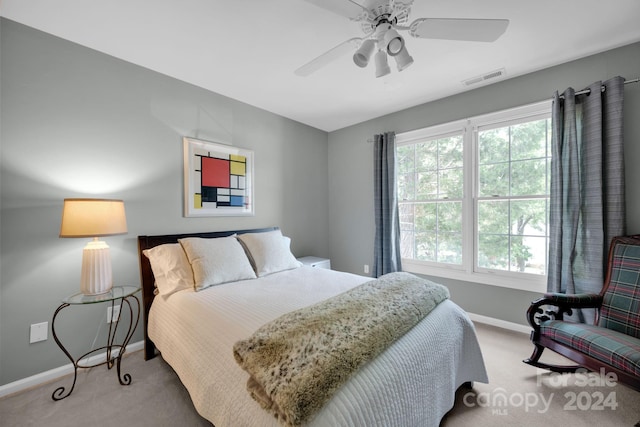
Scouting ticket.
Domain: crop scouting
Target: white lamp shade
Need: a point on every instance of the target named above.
(93, 218)
(363, 54)
(382, 66)
(393, 42)
(403, 59)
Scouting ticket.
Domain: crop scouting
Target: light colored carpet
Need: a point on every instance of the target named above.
(155, 397)
(517, 395)
(522, 395)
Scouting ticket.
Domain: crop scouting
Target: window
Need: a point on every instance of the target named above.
(473, 198)
(430, 189)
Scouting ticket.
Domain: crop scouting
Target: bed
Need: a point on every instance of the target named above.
(411, 383)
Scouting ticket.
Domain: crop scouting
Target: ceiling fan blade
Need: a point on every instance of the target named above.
(329, 56)
(479, 30)
(347, 8)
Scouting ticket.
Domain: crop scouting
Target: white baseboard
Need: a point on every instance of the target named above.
(517, 327)
(54, 374)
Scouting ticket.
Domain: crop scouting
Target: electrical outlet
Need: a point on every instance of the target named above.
(113, 315)
(38, 332)
(366, 269)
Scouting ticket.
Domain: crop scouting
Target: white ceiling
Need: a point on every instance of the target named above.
(249, 49)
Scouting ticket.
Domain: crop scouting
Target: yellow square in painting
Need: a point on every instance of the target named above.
(197, 201)
(238, 168)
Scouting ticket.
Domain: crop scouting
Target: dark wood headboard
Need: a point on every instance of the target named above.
(146, 274)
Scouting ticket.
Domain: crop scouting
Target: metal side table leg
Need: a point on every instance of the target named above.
(59, 394)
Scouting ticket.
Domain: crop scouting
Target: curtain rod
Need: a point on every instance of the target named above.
(580, 92)
(602, 88)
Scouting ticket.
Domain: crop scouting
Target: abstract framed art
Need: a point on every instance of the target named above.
(218, 179)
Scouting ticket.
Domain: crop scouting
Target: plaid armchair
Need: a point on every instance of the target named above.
(613, 343)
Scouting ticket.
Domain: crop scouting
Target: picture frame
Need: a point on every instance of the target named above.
(218, 179)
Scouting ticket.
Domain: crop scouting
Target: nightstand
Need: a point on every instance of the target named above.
(313, 261)
(124, 297)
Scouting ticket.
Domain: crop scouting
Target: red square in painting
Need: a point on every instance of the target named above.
(215, 172)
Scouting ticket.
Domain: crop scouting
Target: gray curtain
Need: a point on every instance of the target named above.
(387, 257)
(587, 207)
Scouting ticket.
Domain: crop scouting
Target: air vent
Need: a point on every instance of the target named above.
(491, 75)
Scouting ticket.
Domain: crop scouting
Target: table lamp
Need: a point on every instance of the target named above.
(94, 218)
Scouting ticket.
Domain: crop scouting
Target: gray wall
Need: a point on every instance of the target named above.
(78, 123)
(351, 160)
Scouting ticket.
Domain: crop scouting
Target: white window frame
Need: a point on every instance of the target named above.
(469, 128)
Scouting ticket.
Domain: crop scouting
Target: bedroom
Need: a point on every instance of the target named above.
(70, 112)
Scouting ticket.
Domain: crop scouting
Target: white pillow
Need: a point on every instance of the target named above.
(170, 267)
(269, 252)
(215, 261)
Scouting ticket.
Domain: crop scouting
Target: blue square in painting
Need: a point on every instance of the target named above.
(237, 201)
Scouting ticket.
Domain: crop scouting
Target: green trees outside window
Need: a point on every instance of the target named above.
(430, 189)
(513, 197)
(491, 176)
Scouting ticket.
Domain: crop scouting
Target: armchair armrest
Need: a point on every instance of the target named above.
(564, 303)
(572, 300)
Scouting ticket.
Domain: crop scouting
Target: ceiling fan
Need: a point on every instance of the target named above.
(381, 20)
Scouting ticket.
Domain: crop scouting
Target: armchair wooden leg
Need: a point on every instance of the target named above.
(535, 356)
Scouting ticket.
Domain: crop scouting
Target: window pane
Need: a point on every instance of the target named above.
(450, 152)
(450, 248)
(493, 217)
(407, 239)
(529, 217)
(405, 159)
(493, 252)
(528, 254)
(529, 140)
(519, 255)
(427, 187)
(450, 217)
(450, 232)
(528, 177)
(494, 180)
(438, 175)
(451, 183)
(536, 263)
(493, 146)
(426, 218)
(406, 216)
(426, 246)
(407, 244)
(427, 156)
(406, 186)
(521, 247)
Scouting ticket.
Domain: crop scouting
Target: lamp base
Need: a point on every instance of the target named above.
(96, 277)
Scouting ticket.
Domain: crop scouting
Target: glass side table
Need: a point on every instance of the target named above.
(114, 352)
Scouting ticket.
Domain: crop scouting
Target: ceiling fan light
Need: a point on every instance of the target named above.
(382, 66)
(403, 59)
(363, 54)
(393, 42)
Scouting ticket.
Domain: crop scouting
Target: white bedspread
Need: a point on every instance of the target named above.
(410, 384)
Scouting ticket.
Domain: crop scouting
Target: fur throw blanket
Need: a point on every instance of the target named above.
(298, 361)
